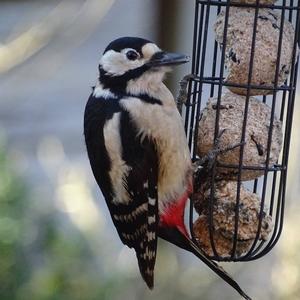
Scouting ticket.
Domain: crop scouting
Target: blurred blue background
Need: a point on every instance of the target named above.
(56, 237)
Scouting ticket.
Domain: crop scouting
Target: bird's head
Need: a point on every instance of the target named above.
(130, 58)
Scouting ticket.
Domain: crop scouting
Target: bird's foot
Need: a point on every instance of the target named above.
(183, 93)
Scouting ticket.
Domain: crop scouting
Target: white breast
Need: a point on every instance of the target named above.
(164, 124)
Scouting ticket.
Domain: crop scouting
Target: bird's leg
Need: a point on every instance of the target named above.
(183, 94)
(210, 158)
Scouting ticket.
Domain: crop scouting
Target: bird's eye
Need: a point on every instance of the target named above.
(132, 55)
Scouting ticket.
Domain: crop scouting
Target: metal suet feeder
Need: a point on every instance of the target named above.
(239, 112)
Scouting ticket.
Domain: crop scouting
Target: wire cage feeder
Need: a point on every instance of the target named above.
(209, 79)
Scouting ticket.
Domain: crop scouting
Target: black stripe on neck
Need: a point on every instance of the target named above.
(118, 84)
(146, 98)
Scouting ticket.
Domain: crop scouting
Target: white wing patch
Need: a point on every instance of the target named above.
(146, 185)
(151, 220)
(152, 201)
(100, 92)
(119, 169)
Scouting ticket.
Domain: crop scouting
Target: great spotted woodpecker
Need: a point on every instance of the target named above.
(138, 151)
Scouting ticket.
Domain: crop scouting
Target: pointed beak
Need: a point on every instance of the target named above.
(176, 237)
(167, 59)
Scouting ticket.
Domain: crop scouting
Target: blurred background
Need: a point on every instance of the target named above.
(56, 237)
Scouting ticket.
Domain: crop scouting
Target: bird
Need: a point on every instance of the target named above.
(138, 152)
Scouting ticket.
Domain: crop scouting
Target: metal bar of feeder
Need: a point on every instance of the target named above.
(277, 182)
(216, 133)
(193, 132)
(194, 54)
(250, 5)
(215, 58)
(280, 209)
(198, 104)
(196, 29)
(244, 132)
(273, 193)
(270, 130)
(254, 168)
(291, 102)
(195, 87)
(216, 81)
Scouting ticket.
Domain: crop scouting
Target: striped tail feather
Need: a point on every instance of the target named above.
(146, 255)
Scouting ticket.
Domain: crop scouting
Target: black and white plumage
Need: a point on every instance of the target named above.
(138, 151)
(136, 143)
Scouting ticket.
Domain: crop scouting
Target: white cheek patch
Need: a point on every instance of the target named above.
(117, 64)
(149, 50)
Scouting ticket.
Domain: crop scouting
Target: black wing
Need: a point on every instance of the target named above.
(136, 220)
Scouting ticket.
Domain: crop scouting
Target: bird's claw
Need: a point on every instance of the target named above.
(183, 94)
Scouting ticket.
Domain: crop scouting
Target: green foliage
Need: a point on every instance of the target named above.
(41, 257)
(13, 267)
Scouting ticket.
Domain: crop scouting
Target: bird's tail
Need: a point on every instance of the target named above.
(218, 270)
(175, 237)
(146, 271)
